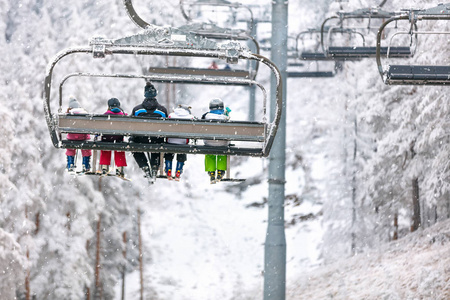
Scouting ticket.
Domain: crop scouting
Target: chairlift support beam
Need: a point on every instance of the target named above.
(415, 74)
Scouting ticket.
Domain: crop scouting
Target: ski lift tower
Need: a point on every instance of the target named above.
(275, 244)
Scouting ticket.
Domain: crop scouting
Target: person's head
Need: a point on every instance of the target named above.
(73, 103)
(114, 105)
(216, 103)
(185, 107)
(150, 91)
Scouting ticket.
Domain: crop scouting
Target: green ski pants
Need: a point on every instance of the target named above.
(215, 162)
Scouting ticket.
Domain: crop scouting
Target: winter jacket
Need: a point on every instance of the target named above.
(179, 113)
(77, 136)
(150, 108)
(218, 114)
(113, 138)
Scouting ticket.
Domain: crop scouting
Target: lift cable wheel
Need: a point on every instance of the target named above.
(165, 41)
(415, 74)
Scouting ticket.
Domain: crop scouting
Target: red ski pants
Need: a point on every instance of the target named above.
(119, 158)
(84, 152)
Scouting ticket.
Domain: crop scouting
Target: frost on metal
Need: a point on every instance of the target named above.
(194, 36)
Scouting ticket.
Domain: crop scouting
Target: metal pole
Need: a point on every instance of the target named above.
(252, 88)
(275, 245)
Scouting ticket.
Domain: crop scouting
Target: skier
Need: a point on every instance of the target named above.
(213, 65)
(75, 108)
(119, 156)
(149, 108)
(181, 112)
(216, 162)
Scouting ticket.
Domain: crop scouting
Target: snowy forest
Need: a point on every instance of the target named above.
(367, 171)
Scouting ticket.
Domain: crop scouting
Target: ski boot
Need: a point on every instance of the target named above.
(212, 177)
(86, 164)
(179, 170)
(104, 169)
(148, 174)
(220, 174)
(70, 163)
(154, 172)
(120, 172)
(168, 169)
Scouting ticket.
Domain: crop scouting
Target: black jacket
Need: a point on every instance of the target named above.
(150, 108)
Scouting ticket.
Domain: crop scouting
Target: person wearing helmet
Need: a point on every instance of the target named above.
(152, 109)
(119, 156)
(181, 112)
(75, 108)
(213, 163)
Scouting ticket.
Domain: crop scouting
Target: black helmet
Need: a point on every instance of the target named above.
(113, 102)
(216, 103)
(150, 91)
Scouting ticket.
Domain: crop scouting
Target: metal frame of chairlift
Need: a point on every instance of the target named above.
(222, 3)
(311, 56)
(164, 41)
(359, 52)
(212, 31)
(202, 30)
(415, 74)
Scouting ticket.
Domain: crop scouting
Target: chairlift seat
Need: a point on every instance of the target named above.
(368, 51)
(296, 64)
(142, 126)
(310, 74)
(314, 56)
(426, 75)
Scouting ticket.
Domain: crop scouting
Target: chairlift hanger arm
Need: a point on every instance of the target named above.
(133, 15)
(322, 29)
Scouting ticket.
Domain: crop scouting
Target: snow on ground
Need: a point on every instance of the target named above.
(414, 267)
(201, 242)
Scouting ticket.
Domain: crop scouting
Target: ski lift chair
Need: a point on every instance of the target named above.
(235, 8)
(311, 57)
(361, 50)
(415, 74)
(159, 41)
